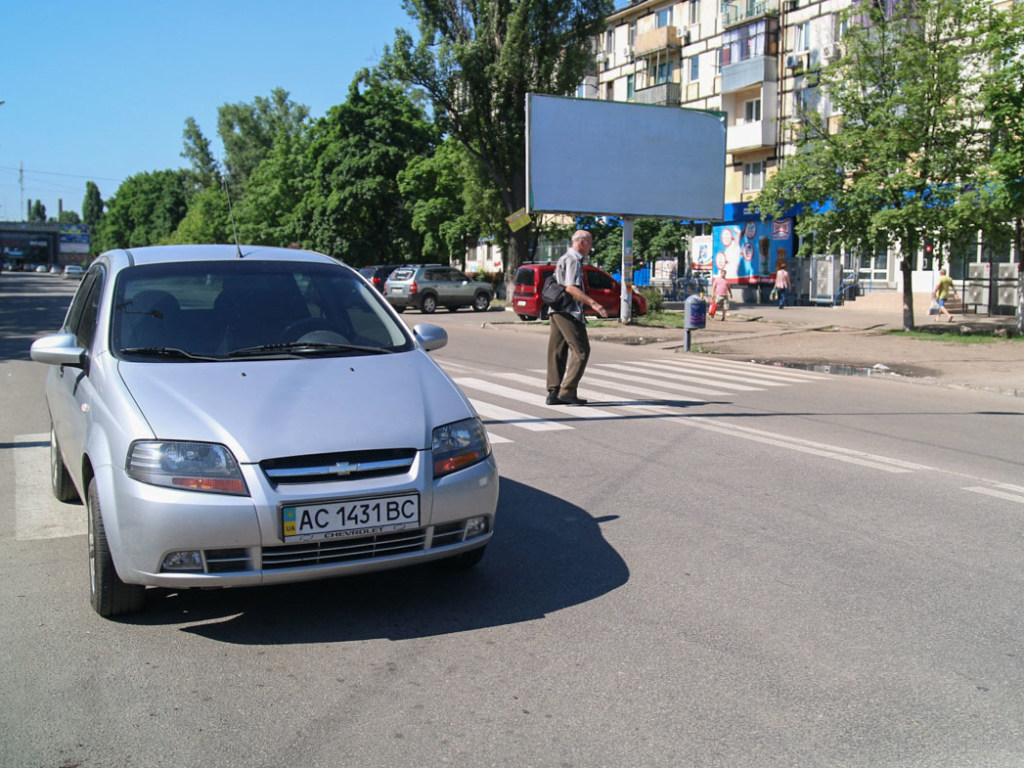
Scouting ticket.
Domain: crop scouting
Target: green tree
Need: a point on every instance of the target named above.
(36, 210)
(1004, 107)
(248, 131)
(268, 213)
(145, 210)
(207, 219)
(901, 159)
(69, 217)
(353, 208)
(200, 156)
(92, 205)
(477, 60)
(434, 187)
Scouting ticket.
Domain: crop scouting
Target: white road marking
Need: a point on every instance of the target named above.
(37, 514)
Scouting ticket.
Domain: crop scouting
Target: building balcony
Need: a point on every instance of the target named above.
(744, 74)
(656, 40)
(736, 12)
(742, 137)
(663, 95)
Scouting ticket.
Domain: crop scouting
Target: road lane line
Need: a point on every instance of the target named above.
(37, 514)
(996, 494)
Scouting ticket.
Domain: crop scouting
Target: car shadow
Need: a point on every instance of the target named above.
(546, 555)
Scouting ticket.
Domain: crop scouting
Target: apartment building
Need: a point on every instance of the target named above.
(750, 61)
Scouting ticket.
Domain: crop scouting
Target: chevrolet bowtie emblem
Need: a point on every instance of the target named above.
(344, 468)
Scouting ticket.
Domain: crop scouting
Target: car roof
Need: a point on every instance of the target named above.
(162, 254)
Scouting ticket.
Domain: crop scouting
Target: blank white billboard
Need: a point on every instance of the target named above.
(607, 158)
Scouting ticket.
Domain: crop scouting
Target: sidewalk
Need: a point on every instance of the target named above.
(844, 339)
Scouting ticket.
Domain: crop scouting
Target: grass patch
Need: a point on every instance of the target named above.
(955, 337)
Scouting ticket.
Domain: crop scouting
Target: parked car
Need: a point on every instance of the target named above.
(72, 271)
(599, 285)
(54, 269)
(42, 269)
(378, 273)
(221, 421)
(427, 286)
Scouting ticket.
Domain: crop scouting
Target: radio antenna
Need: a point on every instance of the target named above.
(231, 214)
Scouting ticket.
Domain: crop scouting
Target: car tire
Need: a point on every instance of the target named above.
(60, 479)
(466, 560)
(428, 304)
(108, 594)
(634, 310)
(481, 302)
(526, 318)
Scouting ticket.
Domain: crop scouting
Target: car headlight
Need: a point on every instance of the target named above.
(189, 466)
(459, 445)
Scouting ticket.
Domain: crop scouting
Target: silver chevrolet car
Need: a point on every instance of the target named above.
(219, 409)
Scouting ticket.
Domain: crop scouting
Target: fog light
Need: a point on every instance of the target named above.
(189, 560)
(476, 526)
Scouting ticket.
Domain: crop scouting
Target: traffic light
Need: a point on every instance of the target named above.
(929, 253)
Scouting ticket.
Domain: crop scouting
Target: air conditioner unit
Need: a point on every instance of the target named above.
(831, 50)
(796, 61)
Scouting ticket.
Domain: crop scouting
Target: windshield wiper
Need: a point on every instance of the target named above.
(171, 352)
(300, 348)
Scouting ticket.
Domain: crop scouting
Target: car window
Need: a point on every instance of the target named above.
(525, 276)
(215, 309)
(82, 314)
(598, 280)
(401, 274)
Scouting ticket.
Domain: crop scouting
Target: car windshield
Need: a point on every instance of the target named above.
(220, 310)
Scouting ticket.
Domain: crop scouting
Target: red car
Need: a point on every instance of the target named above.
(599, 285)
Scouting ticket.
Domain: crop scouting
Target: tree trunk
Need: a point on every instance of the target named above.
(907, 268)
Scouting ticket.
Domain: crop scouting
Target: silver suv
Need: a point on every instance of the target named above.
(427, 286)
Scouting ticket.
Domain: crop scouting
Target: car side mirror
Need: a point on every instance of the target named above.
(58, 349)
(431, 337)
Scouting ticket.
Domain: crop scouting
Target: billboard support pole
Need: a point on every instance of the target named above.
(626, 296)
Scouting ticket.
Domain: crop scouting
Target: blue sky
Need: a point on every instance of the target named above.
(100, 90)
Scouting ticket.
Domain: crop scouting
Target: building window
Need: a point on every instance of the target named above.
(663, 72)
(609, 91)
(753, 176)
(663, 18)
(694, 17)
(802, 37)
(742, 43)
(630, 87)
(694, 68)
(632, 33)
(609, 41)
(752, 111)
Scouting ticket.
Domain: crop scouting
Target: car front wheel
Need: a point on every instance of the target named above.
(108, 594)
(60, 480)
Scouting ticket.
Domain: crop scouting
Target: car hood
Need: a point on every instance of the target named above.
(274, 408)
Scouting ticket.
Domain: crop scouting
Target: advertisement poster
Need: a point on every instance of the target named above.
(747, 251)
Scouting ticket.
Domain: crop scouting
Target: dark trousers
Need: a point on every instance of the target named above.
(565, 372)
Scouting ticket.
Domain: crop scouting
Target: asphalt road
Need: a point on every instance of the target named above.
(715, 564)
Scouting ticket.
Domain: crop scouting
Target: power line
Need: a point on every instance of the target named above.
(55, 173)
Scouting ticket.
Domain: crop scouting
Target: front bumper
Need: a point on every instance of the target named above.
(241, 541)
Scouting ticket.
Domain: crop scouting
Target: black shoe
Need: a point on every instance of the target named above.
(572, 400)
(553, 399)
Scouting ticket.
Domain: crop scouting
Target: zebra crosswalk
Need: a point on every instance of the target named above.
(615, 390)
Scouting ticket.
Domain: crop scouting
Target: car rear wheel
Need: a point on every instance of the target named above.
(635, 310)
(481, 302)
(526, 318)
(108, 594)
(428, 304)
(60, 480)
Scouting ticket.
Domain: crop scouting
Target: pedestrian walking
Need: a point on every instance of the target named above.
(568, 333)
(782, 284)
(942, 289)
(720, 291)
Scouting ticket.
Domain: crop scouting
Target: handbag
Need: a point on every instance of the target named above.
(934, 308)
(555, 296)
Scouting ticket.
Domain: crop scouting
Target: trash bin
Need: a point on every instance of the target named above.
(695, 312)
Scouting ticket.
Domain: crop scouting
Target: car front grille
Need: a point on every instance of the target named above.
(354, 465)
(364, 548)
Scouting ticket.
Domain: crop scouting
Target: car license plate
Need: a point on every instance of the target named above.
(350, 517)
